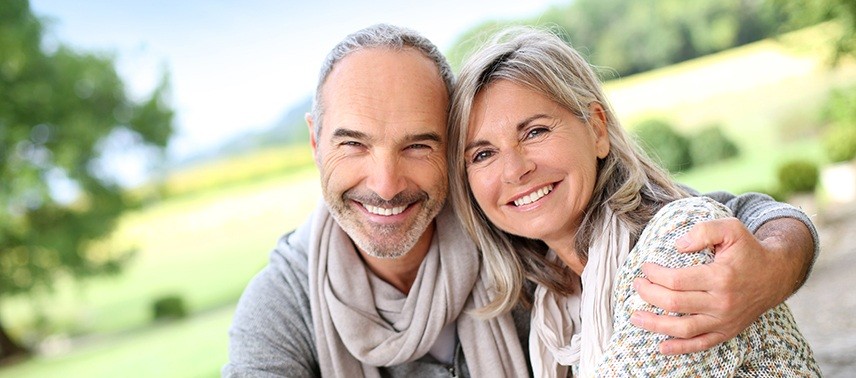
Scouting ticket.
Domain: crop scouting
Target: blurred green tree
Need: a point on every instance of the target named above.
(802, 13)
(632, 36)
(470, 40)
(58, 109)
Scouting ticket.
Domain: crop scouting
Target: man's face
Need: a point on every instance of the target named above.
(381, 150)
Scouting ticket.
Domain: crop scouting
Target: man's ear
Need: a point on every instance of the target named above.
(598, 121)
(311, 124)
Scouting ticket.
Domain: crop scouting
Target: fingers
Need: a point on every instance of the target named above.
(685, 302)
(695, 344)
(711, 233)
(689, 333)
(698, 277)
(683, 327)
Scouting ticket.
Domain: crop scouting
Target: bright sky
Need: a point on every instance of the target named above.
(237, 65)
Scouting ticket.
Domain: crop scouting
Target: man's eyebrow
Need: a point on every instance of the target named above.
(434, 137)
(348, 133)
(342, 133)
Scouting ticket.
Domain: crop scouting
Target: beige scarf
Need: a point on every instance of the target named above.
(358, 329)
(575, 330)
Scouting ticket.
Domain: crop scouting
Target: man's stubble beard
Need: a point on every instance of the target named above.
(384, 241)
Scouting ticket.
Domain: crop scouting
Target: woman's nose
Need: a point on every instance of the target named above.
(516, 166)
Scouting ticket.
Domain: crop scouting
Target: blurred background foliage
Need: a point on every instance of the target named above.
(636, 36)
(682, 75)
(58, 108)
(631, 37)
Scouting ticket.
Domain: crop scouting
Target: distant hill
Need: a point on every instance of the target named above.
(734, 79)
(288, 130)
(628, 44)
(765, 95)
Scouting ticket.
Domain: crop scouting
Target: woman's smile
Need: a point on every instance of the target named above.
(532, 164)
(533, 196)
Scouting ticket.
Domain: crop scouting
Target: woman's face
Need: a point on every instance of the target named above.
(531, 163)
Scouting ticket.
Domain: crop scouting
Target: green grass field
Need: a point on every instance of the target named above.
(195, 347)
(204, 248)
(766, 96)
(206, 240)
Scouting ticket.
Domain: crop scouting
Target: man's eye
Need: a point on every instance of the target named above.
(351, 143)
(418, 146)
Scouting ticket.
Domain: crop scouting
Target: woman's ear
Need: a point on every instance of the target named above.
(598, 121)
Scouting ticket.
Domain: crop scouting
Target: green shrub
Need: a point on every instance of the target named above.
(169, 307)
(711, 145)
(798, 176)
(798, 124)
(840, 108)
(840, 143)
(776, 193)
(660, 140)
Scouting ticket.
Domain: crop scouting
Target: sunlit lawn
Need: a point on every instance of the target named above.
(194, 347)
(205, 245)
(203, 248)
(765, 95)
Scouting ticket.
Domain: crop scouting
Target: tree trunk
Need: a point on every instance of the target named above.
(10, 351)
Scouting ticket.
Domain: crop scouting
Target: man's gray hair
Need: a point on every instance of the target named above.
(379, 36)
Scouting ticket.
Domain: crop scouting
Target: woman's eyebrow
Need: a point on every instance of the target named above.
(520, 126)
(475, 144)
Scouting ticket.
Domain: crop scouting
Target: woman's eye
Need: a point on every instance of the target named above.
(481, 156)
(538, 131)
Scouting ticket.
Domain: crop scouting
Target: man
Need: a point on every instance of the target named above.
(381, 280)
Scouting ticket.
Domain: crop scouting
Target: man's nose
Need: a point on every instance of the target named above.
(386, 176)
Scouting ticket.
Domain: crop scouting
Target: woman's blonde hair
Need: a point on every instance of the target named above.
(627, 180)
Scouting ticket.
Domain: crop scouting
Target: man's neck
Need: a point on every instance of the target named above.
(401, 272)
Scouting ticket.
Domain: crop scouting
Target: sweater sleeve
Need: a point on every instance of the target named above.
(271, 333)
(755, 209)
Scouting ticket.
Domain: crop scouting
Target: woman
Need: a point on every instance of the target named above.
(552, 189)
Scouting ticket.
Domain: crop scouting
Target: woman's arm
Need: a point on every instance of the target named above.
(760, 260)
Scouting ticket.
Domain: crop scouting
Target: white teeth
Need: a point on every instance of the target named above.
(382, 211)
(534, 196)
